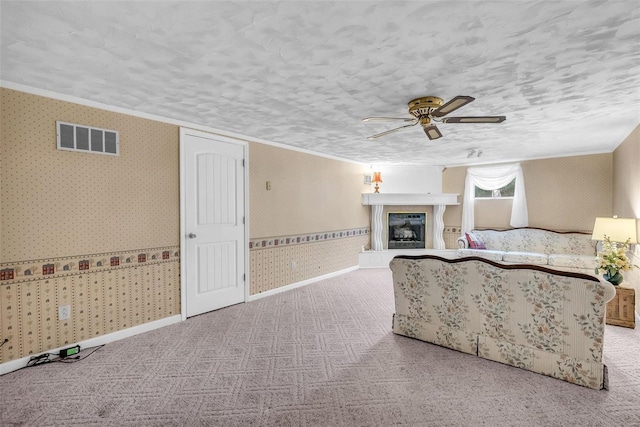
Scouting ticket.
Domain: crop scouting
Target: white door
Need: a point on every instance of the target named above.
(213, 226)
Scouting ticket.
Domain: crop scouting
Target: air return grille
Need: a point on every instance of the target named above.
(87, 139)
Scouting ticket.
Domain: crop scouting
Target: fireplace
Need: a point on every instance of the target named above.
(407, 230)
(379, 226)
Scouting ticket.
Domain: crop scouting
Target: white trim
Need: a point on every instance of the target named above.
(183, 253)
(183, 228)
(409, 199)
(247, 237)
(181, 123)
(302, 283)
(16, 364)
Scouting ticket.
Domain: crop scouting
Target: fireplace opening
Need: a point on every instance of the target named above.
(407, 230)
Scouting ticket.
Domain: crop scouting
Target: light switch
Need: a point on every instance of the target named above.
(268, 185)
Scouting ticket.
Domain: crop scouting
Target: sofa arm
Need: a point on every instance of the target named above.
(463, 243)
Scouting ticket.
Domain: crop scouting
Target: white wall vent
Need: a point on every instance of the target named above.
(87, 139)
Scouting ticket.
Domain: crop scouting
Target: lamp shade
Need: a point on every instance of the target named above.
(616, 229)
(377, 177)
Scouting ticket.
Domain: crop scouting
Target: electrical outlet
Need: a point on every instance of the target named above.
(293, 265)
(64, 312)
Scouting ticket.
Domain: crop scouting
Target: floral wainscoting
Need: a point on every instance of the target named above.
(279, 261)
(106, 292)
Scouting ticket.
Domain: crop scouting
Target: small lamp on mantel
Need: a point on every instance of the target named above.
(611, 260)
(377, 179)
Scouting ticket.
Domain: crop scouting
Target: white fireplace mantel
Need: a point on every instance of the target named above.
(377, 201)
(409, 199)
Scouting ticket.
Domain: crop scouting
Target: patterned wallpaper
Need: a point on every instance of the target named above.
(626, 195)
(309, 194)
(106, 292)
(57, 203)
(626, 177)
(72, 224)
(562, 194)
(305, 238)
(68, 219)
(309, 222)
(97, 233)
(278, 266)
(569, 193)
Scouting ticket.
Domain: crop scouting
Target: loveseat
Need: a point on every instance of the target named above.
(532, 317)
(572, 251)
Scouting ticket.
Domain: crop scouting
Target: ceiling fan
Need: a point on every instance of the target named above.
(431, 108)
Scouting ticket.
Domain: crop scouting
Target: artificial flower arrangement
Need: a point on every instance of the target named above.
(612, 259)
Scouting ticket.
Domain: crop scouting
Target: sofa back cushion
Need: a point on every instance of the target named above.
(521, 304)
(535, 318)
(537, 240)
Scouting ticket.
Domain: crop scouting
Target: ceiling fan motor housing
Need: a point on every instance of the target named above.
(420, 107)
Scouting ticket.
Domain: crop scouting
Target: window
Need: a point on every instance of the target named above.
(495, 177)
(504, 192)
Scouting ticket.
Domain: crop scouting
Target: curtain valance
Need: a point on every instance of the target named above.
(492, 178)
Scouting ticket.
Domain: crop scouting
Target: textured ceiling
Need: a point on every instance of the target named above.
(565, 73)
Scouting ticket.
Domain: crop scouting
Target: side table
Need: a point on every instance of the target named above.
(621, 309)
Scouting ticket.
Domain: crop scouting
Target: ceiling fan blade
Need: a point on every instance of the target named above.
(432, 132)
(387, 132)
(479, 119)
(454, 104)
(388, 119)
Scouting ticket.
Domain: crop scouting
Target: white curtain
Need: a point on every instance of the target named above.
(492, 178)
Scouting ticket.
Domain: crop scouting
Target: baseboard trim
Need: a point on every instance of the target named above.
(300, 284)
(14, 365)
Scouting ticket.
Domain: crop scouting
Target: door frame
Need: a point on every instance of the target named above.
(183, 209)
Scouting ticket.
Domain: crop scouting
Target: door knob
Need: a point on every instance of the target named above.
(192, 235)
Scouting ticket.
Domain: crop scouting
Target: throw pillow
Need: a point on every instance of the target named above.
(474, 241)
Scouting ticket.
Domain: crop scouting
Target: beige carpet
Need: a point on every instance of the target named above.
(321, 355)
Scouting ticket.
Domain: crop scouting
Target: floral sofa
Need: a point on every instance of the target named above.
(571, 251)
(543, 320)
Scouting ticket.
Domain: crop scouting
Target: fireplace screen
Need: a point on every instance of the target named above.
(407, 230)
